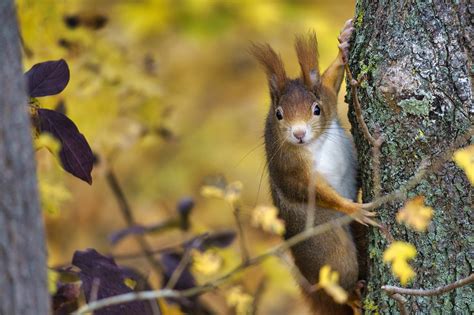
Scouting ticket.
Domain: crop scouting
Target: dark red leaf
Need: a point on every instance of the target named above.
(103, 272)
(47, 78)
(76, 155)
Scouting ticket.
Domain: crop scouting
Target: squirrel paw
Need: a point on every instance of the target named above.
(344, 38)
(364, 217)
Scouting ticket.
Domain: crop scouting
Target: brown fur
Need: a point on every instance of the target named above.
(291, 172)
(308, 56)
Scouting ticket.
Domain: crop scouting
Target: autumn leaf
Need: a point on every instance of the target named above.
(329, 281)
(46, 140)
(230, 193)
(47, 78)
(75, 153)
(53, 277)
(266, 217)
(415, 214)
(240, 300)
(398, 254)
(206, 263)
(464, 158)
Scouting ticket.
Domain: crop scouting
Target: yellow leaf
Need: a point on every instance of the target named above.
(52, 195)
(129, 282)
(206, 263)
(53, 277)
(415, 214)
(464, 158)
(232, 192)
(240, 300)
(329, 281)
(46, 140)
(398, 254)
(266, 217)
(212, 192)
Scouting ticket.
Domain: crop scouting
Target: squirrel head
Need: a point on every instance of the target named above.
(302, 108)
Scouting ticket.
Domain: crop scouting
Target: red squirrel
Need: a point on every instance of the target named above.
(310, 155)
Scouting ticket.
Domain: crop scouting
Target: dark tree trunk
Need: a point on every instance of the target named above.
(417, 57)
(23, 285)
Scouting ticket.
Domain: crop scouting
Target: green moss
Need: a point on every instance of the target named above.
(370, 306)
(418, 107)
(359, 18)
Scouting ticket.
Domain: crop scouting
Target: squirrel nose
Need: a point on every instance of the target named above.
(299, 133)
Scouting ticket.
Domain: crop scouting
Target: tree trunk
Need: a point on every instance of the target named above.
(23, 285)
(417, 59)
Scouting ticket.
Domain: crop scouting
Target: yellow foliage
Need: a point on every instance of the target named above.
(231, 193)
(464, 158)
(129, 282)
(206, 263)
(266, 217)
(240, 300)
(398, 254)
(209, 191)
(415, 214)
(329, 281)
(46, 140)
(52, 195)
(53, 277)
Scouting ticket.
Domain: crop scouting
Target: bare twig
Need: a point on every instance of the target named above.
(212, 285)
(430, 292)
(183, 263)
(243, 245)
(257, 296)
(401, 301)
(358, 110)
(302, 281)
(424, 168)
(128, 215)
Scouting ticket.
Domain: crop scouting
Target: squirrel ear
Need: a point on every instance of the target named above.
(273, 66)
(308, 56)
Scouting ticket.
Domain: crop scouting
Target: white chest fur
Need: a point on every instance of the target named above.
(333, 157)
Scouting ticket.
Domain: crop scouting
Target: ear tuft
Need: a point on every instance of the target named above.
(307, 51)
(273, 66)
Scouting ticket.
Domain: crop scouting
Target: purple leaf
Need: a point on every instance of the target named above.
(76, 155)
(103, 275)
(205, 241)
(65, 300)
(120, 234)
(47, 78)
(170, 262)
(220, 239)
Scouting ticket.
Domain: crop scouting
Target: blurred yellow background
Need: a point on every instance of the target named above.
(183, 68)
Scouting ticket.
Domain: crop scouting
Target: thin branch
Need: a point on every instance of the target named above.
(401, 301)
(243, 245)
(430, 292)
(128, 215)
(300, 279)
(424, 168)
(358, 110)
(183, 263)
(212, 285)
(257, 296)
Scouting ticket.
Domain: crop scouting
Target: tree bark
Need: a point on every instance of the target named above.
(417, 60)
(23, 281)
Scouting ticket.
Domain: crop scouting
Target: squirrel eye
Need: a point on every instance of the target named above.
(279, 113)
(316, 109)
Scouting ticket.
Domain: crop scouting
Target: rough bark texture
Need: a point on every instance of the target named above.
(417, 57)
(23, 285)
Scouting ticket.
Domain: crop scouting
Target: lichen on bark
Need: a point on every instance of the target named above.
(416, 57)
